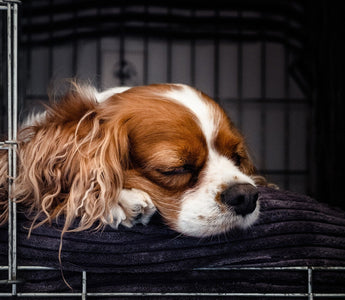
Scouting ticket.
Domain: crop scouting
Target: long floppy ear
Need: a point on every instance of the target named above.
(3, 187)
(72, 164)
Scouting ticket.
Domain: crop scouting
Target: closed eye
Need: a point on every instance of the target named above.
(177, 171)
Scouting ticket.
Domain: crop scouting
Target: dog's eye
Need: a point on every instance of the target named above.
(176, 171)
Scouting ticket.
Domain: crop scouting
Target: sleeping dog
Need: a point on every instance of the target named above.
(116, 157)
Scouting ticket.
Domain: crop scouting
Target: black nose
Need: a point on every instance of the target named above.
(242, 197)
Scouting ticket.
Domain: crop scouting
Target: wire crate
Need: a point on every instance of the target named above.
(10, 8)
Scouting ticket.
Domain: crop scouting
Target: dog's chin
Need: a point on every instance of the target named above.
(215, 224)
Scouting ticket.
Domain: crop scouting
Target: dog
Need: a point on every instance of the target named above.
(119, 156)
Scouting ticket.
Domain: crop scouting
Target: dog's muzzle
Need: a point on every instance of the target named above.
(242, 197)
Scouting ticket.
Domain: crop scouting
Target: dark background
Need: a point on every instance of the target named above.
(277, 67)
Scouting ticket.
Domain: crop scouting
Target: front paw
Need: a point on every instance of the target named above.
(134, 207)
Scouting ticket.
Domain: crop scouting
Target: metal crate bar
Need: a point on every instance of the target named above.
(10, 145)
(13, 270)
(309, 294)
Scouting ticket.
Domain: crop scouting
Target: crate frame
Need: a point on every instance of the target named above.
(13, 270)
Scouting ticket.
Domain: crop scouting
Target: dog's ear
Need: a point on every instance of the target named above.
(72, 162)
(103, 157)
(3, 187)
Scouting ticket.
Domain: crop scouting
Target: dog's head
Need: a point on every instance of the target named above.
(179, 146)
(170, 141)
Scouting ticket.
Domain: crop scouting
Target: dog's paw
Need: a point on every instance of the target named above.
(134, 206)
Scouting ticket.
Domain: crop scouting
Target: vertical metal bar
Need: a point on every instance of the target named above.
(15, 74)
(169, 50)
(122, 49)
(14, 135)
(12, 53)
(2, 70)
(146, 45)
(27, 75)
(308, 155)
(75, 43)
(216, 58)
(310, 283)
(9, 69)
(286, 119)
(10, 137)
(98, 52)
(263, 105)
(50, 50)
(84, 288)
(240, 74)
(192, 54)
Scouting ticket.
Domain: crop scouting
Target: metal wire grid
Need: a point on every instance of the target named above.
(84, 294)
(11, 6)
(52, 24)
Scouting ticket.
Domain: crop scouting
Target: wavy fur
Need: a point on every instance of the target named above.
(64, 160)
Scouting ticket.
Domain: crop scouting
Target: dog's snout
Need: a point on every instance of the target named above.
(242, 197)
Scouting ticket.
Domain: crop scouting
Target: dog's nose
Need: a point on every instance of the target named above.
(242, 197)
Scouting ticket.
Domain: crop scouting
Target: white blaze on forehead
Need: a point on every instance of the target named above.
(205, 112)
(200, 213)
(102, 96)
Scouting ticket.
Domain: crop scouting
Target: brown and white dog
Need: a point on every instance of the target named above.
(115, 157)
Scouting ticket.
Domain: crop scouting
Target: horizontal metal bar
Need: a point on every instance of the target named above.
(296, 268)
(10, 1)
(4, 282)
(9, 143)
(328, 268)
(46, 295)
(336, 295)
(196, 294)
(30, 268)
(287, 295)
(144, 294)
(42, 294)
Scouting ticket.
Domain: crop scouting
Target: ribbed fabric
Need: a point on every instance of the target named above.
(293, 230)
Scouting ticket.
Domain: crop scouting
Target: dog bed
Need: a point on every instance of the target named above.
(293, 230)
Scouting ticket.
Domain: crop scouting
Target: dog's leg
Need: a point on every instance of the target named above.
(134, 206)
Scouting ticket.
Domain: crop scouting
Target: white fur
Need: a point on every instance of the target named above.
(201, 214)
(88, 91)
(191, 99)
(135, 201)
(102, 96)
